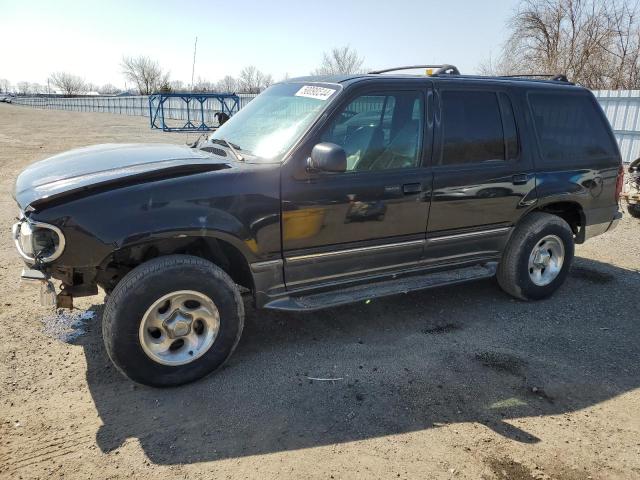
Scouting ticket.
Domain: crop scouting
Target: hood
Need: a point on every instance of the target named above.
(108, 166)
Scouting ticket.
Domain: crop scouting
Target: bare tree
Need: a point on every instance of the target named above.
(165, 86)
(203, 85)
(340, 61)
(177, 86)
(4, 85)
(108, 89)
(625, 48)
(227, 85)
(37, 89)
(145, 73)
(68, 83)
(248, 80)
(595, 43)
(252, 80)
(24, 88)
(267, 81)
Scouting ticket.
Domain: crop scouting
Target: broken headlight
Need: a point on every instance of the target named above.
(38, 242)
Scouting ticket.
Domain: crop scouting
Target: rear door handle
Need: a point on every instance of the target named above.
(408, 188)
(520, 179)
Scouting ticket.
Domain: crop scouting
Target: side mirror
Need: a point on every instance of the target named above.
(327, 157)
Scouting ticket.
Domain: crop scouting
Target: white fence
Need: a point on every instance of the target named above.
(174, 108)
(622, 108)
(134, 105)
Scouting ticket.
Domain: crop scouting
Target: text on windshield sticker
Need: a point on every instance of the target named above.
(311, 91)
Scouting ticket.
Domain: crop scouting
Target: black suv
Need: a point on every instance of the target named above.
(322, 191)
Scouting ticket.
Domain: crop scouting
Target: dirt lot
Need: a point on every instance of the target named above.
(459, 382)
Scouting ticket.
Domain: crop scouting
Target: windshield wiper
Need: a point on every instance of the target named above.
(230, 146)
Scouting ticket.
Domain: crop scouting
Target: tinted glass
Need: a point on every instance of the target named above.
(379, 132)
(471, 127)
(511, 142)
(570, 129)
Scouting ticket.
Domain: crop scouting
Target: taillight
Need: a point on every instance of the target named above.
(619, 183)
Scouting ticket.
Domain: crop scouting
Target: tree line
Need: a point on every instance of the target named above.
(147, 76)
(595, 43)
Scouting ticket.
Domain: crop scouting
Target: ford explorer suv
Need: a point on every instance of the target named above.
(322, 191)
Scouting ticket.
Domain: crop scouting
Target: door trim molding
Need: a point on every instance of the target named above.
(351, 251)
(267, 265)
(460, 236)
(396, 245)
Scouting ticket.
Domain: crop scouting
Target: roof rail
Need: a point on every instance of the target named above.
(558, 76)
(440, 69)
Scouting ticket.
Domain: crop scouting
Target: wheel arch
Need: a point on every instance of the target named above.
(232, 255)
(570, 211)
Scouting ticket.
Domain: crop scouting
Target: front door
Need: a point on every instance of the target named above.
(338, 227)
(482, 180)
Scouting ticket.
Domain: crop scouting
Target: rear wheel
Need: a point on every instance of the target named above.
(172, 320)
(634, 210)
(538, 257)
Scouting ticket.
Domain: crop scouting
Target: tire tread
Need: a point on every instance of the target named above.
(531, 225)
(156, 265)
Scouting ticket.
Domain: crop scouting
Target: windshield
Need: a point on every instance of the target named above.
(269, 125)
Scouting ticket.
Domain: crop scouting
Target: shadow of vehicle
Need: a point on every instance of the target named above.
(464, 353)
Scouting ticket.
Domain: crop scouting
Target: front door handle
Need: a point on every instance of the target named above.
(520, 179)
(409, 188)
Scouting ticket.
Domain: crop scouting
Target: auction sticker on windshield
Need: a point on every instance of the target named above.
(311, 91)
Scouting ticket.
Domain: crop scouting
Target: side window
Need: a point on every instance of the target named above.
(570, 129)
(379, 131)
(511, 143)
(471, 128)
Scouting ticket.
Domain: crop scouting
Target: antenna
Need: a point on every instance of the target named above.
(193, 68)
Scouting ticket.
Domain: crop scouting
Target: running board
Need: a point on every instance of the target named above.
(317, 301)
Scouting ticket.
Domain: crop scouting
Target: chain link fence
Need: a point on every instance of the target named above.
(138, 105)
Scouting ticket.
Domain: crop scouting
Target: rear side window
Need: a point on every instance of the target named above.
(471, 127)
(570, 129)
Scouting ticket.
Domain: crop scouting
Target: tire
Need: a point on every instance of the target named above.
(634, 210)
(134, 302)
(544, 232)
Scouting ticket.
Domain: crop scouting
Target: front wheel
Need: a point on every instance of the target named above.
(172, 320)
(538, 257)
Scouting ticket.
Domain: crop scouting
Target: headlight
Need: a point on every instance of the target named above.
(36, 240)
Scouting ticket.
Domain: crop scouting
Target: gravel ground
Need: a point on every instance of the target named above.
(458, 382)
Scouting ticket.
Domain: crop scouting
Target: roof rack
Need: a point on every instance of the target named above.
(558, 76)
(440, 69)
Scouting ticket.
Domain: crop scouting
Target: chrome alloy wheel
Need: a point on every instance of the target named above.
(546, 260)
(179, 327)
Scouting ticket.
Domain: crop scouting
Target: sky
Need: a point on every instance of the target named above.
(88, 39)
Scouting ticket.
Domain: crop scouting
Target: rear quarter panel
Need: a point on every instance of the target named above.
(591, 183)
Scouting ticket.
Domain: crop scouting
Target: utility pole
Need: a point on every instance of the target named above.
(193, 68)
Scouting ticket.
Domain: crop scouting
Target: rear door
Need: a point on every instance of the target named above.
(482, 180)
